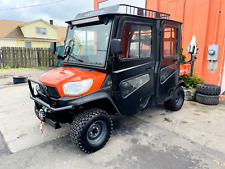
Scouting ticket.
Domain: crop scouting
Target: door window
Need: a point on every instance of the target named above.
(136, 41)
(170, 41)
(129, 86)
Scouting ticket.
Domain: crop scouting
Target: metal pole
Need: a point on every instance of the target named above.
(193, 59)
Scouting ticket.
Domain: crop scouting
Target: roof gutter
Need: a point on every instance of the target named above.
(44, 40)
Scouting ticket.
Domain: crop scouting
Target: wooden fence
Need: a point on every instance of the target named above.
(15, 57)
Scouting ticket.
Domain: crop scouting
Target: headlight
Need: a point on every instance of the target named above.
(76, 88)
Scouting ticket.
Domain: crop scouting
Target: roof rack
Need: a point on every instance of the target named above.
(133, 10)
(124, 9)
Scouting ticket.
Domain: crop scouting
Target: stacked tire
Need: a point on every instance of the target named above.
(208, 94)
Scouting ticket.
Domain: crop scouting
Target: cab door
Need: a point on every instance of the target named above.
(133, 69)
(170, 59)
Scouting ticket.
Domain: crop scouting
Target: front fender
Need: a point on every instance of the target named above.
(182, 83)
(93, 97)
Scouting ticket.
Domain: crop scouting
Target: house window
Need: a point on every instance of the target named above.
(28, 44)
(170, 41)
(41, 31)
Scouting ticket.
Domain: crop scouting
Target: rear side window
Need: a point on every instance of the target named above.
(136, 41)
(170, 41)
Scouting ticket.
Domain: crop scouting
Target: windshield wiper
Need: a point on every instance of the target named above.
(74, 58)
(68, 50)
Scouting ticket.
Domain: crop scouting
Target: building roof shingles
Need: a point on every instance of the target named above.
(11, 29)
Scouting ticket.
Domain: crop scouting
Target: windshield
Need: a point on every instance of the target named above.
(88, 44)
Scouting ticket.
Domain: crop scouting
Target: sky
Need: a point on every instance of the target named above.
(58, 10)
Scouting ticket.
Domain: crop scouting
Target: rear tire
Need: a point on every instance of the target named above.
(207, 99)
(91, 129)
(177, 101)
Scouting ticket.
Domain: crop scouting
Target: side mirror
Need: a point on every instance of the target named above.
(60, 57)
(116, 46)
(53, 46)
(68, 50)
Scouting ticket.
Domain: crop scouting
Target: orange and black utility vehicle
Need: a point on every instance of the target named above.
(117, 60)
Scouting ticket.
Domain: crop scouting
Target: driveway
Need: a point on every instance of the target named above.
(156, 138)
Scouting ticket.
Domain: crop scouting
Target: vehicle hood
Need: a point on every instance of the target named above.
(59, 76)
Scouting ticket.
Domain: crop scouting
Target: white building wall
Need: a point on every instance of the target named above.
(7, 43)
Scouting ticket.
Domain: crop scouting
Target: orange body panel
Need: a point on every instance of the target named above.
(185, 69)
(59, 76)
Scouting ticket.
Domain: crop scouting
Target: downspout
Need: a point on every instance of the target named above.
(215, 38)
(182, 26)
(217, 21)
(184, 10)
(157, 5)
(221, 68)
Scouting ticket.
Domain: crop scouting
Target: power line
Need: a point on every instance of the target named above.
(31, 6)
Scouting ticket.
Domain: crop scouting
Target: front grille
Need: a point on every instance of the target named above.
(52, 91)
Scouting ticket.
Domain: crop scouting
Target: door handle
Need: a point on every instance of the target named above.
(150, 68)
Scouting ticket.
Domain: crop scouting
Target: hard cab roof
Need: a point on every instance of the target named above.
(123, 9)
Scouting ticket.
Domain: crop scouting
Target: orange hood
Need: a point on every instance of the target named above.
(59, 76)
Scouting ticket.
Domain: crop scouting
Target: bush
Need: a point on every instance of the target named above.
(192, 81)
(182, 57)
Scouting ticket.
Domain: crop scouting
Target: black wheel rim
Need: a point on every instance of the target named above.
(178, 99)
(96, 133)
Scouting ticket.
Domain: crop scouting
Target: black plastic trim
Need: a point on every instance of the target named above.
(70, 103)
(42, 87)
(54, 124)
(39, 101)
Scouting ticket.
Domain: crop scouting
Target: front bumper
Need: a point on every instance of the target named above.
(69, 103)
(47, 104)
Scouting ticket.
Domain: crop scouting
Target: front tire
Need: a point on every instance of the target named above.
(91, 129)
(177, 101)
